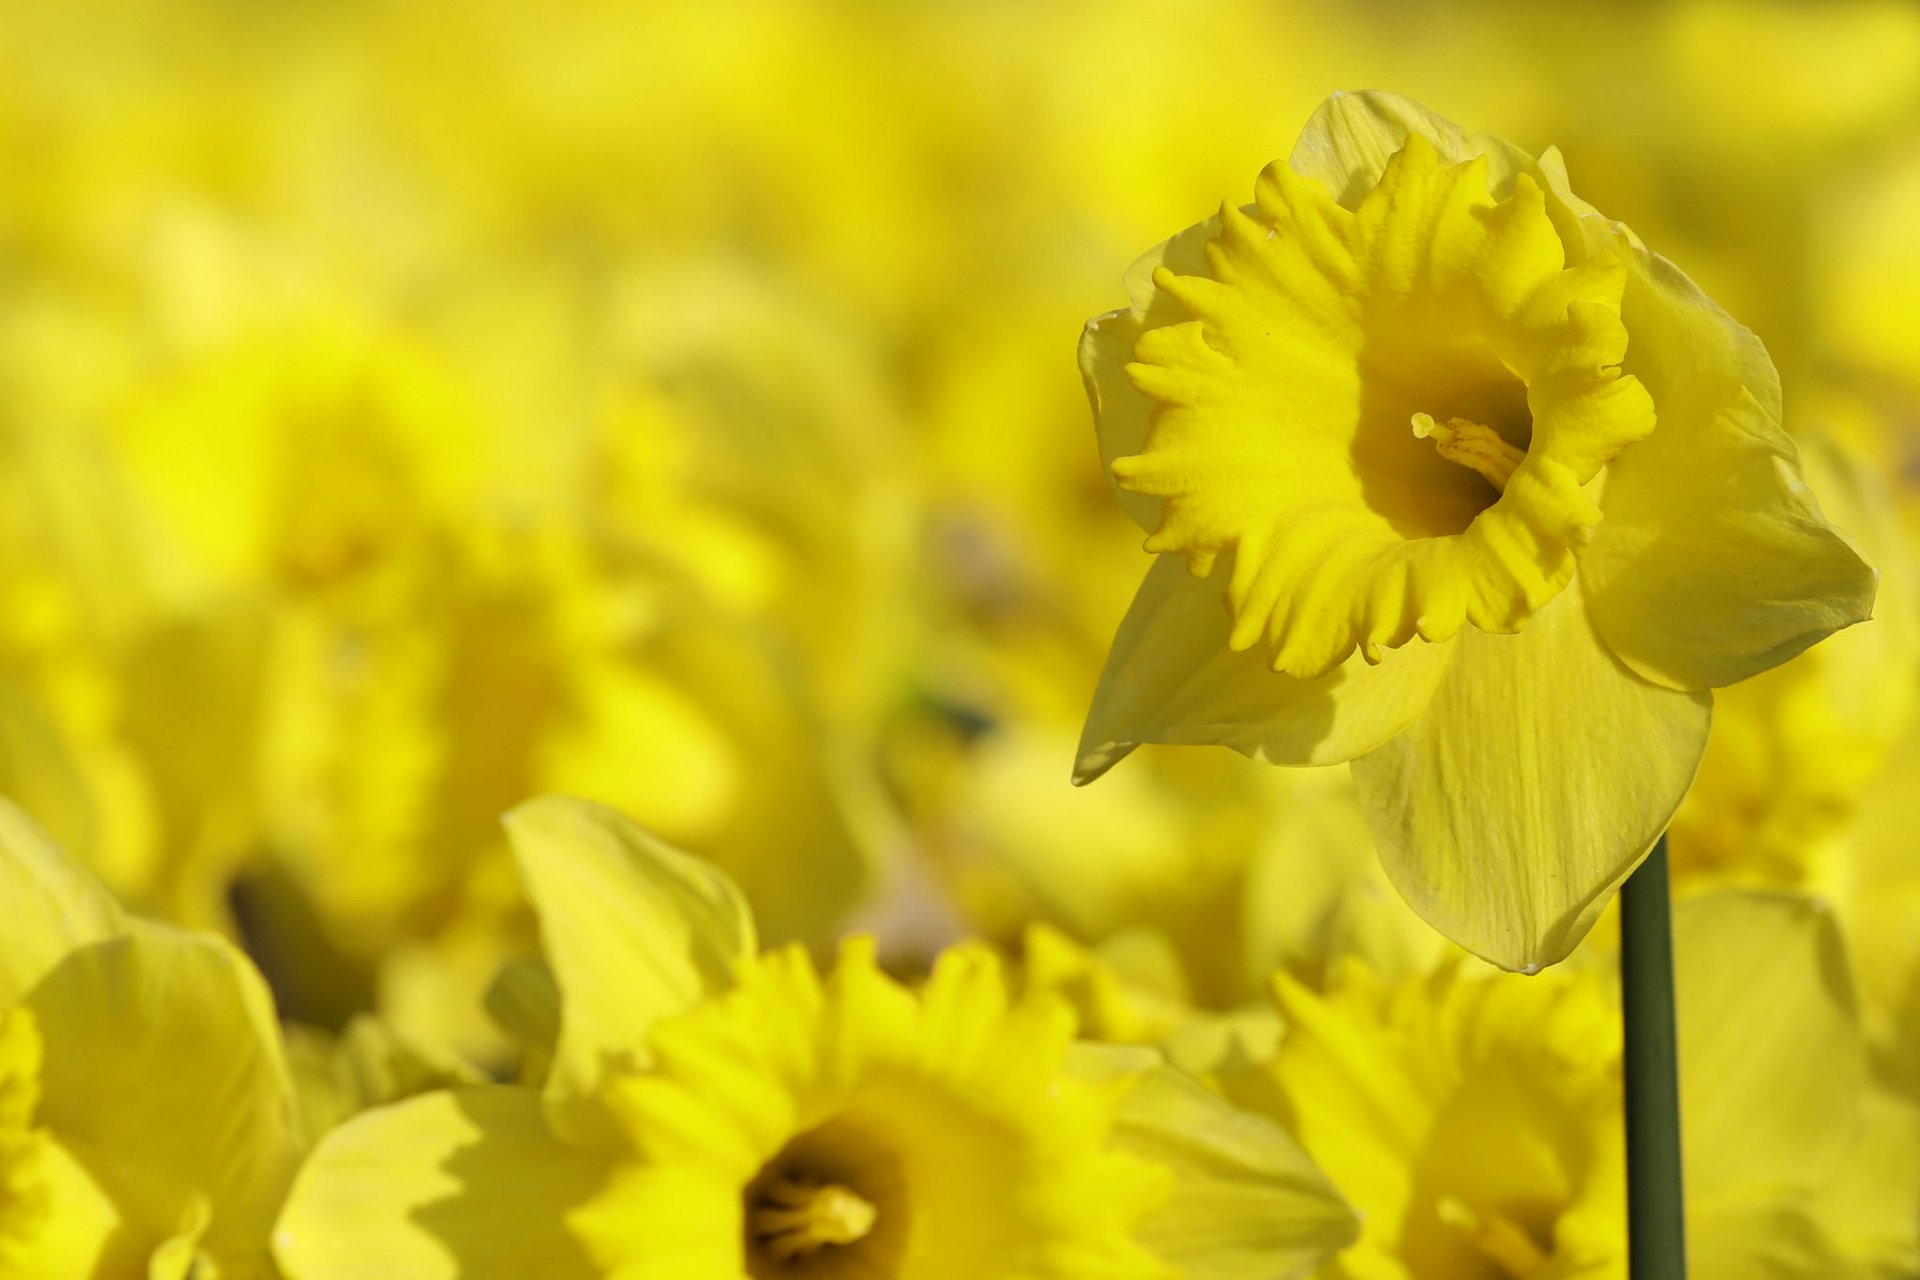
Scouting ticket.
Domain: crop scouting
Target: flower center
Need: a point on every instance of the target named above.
(831, 1204)
(1500, 1239)
(796, 1218)
(1472, 445)
(1278, 440)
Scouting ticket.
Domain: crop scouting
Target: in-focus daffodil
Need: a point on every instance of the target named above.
(147, 1127)
(1451, 477)
(1474, 1118)
(712, 1114)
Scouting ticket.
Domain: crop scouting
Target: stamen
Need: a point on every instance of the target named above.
(1471, 445)
(1498, 1237)
(796, 1218)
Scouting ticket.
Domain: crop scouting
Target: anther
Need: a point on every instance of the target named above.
(1498, 1238)
(796, 1218)
(1471, 445)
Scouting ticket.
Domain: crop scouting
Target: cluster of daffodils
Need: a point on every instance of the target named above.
(692, 1106)
(553, 580)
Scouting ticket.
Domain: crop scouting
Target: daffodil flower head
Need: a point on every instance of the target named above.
(1498, 1153)
(145, 1108)
(717, 1113)
(1449, 476)
(849, 1127)
(1474, 1117)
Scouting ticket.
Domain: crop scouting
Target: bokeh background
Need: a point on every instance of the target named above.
(410, 408)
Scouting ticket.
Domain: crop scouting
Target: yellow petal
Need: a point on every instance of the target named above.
(463, 1185)
(1247, 1202)
(1172, 678)
(1540, 775)
(1773, 1058)
(1121, 414)
(634, 930)
(53, 904)
(1351, 136)
(81, 1234)
(164, 1078)
(1713, 561)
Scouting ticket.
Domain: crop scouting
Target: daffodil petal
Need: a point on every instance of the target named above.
(1350, 137)
(1121, 414)
(468, 1184)
(1774, 1060)
(164, 1078)
(1540, 775)
(1712, 561)
(634, 931)
(83, 1235)
(1172, 678)
(53, 904)
(1247, 1202)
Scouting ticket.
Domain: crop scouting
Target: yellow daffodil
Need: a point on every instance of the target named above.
(713, 1112)
(1449, 476)
(1474, 1118)
(147, 1127)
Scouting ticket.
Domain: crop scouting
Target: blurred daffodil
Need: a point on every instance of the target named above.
(1797, 749)
(147, 1127)
(714, 1112)
(1474, 1118)
(1449, 476)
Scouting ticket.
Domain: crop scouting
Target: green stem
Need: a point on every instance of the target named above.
(1656, 1227)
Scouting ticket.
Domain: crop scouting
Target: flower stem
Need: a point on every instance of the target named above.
(1656, 1228)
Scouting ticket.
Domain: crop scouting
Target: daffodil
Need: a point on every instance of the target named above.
(715, 1112)
(1474, 1118)
(147, 1127)
(1451, 477)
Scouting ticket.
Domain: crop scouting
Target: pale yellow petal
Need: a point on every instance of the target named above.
(468, 1184)
(1247, 1202)
(165, 1079)
(81, 1234)
(1350, 137)
(1773, 1061)
(1540, 775)
(1172, 678)
(1713, 561)
(634, 931)
(53, 904)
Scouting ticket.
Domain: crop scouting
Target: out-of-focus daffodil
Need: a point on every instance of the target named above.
(713, 1112)
(147, 1127)
(1439, 428)
(1795, 749)
(1870, 874)
(1474, 1118)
